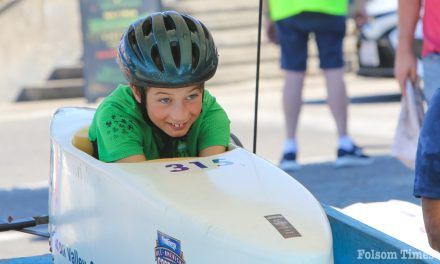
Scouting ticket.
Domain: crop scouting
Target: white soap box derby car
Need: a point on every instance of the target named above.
(230, 208)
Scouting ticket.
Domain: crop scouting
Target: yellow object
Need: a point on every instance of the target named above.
(280, 9)
(81, 140)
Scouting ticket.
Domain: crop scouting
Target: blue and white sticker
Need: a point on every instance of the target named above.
(168, 250)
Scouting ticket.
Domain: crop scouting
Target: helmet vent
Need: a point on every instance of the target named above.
(133, 43)
(147, 26)
(205, 30)
(156, 58)
(169, 23)
(191, 25)
(195, 56)
(175, 50)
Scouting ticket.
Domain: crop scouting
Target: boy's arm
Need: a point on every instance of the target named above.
(132, 159)
(118, 138)
(405, 63)
(431, 216)
(269, 25)
(427, 171)
(214, 131)
(209, 151)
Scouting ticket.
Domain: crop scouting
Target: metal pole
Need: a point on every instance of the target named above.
(260, 14)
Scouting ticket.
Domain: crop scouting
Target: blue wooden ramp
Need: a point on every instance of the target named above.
(43, 259)
(353, 242)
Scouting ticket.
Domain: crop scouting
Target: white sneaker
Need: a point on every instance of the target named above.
(288, 162)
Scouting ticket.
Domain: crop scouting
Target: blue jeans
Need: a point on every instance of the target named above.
(431, 75)
(427, 180)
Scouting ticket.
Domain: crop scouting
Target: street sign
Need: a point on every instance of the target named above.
(103, 22)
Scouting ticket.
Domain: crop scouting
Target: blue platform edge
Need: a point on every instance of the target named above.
(353, 242)
(42, 259)
(356, 242)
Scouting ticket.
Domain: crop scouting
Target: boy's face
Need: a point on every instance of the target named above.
(174, 110)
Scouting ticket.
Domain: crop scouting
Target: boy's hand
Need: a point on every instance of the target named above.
(431, 217)
(214, 150)
(271, 32)
(359, 13)
(360, 17)
(133, 159)
(405, 67)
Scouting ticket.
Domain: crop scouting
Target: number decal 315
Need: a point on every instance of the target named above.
(177, 167)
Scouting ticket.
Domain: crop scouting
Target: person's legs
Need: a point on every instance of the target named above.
(348, 154)
(338, 103)
(337, 98)
(431, 78)
(329, 39)
(292, 101)
(293, 41)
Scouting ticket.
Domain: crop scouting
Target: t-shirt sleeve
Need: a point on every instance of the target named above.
(215, 128)
(118, 136)
(427, 172)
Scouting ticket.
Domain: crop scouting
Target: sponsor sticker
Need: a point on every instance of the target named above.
(283, 226)
(168, 250)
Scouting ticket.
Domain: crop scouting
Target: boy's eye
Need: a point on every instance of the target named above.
(192, 96)
(164, 100)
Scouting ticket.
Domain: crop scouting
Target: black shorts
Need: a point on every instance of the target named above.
(293, 34)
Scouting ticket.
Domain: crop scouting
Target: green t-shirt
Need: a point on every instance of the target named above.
(119, 130)
(280, 9)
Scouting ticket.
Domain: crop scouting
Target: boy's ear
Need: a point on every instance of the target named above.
(136, 93)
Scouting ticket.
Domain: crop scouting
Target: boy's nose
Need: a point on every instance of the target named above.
(180, 112)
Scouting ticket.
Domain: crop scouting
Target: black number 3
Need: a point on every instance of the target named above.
(177, 167)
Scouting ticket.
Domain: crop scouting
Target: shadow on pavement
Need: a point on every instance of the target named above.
(383, 180)
(384, 98)
(23, 202)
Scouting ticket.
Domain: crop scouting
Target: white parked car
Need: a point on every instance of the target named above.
(377, 39)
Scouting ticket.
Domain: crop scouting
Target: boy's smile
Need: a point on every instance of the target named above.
(174, 110)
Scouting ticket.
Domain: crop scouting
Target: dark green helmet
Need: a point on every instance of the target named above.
(167, 49)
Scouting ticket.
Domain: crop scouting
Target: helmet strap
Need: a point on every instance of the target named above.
(143, 104)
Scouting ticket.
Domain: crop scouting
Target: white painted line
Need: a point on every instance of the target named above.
(310, 160)
(11, 235)
(28, 185)
(36, 114)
